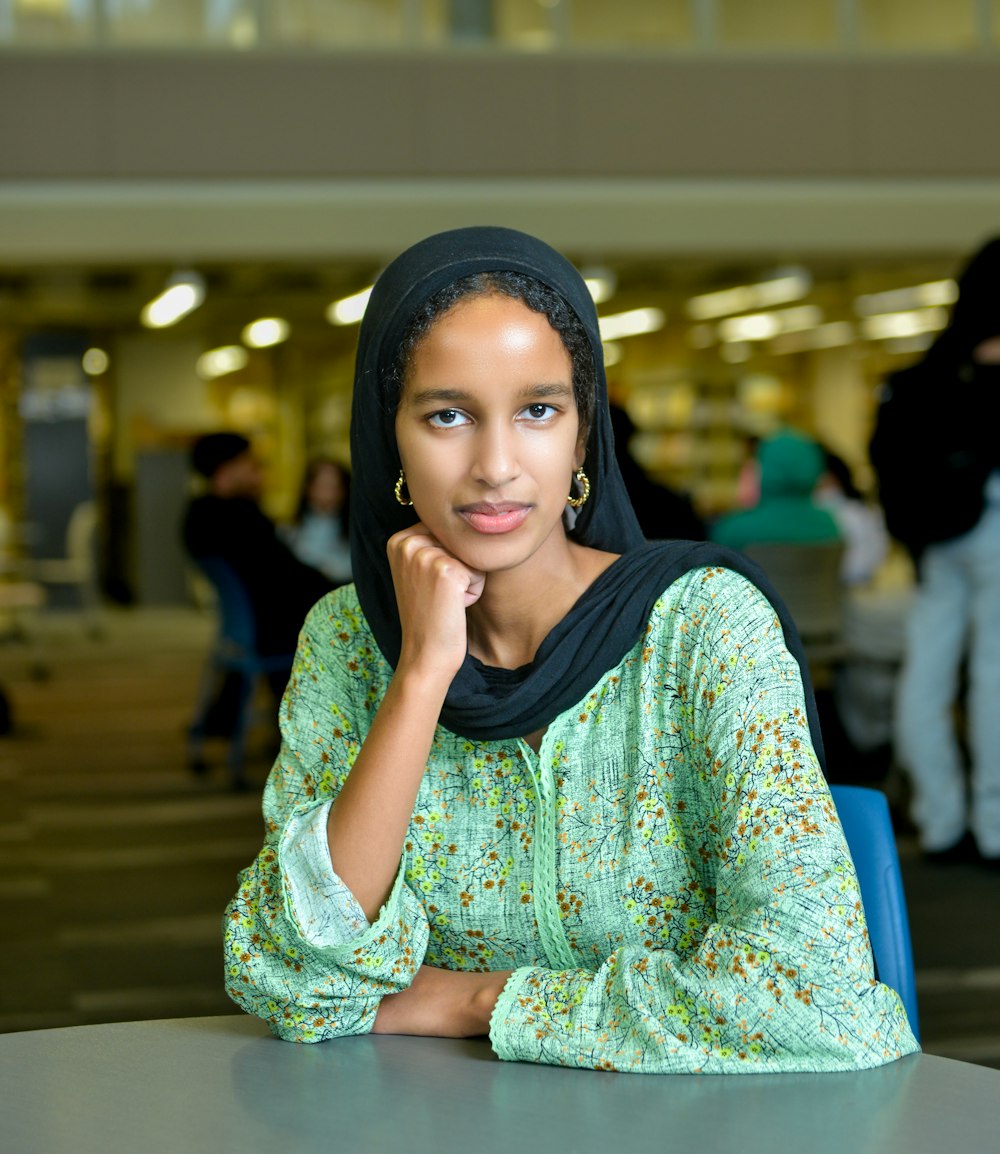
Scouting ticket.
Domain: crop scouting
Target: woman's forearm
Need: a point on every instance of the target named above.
(369, 819)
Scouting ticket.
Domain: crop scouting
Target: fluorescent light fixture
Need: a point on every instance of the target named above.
(601, 284)
(631, 324)
(95, 361)
(792, 285)
(600, 289)
(349, 310)
(184, 292)
(828, 336)
(935, 292)
(218, 362)
(766, 326)
(267, 331)
(752, 327)
(906, 345)
(612, 353)
(891, 326)
(787, 285)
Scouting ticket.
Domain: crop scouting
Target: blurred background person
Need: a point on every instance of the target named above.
(789, 467)
(663, 513)
(937, 459)
(228, 523)
(861, 522)
(318, 533)
(748, 478)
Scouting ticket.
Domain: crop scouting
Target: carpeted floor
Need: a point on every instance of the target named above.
(116, 862)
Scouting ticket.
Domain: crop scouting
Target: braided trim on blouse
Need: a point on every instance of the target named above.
(550, 927)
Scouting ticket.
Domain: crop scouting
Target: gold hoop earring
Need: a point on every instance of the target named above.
(584, 483)
(399, 489)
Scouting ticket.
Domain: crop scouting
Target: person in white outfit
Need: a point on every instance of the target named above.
(861, 523)
(937, 457)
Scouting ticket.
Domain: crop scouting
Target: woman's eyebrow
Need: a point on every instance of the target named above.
(556, 389)
(439, 396)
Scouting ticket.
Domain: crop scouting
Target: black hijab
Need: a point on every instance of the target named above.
(485, 703)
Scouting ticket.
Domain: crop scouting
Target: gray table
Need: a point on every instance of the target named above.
(223, 1084)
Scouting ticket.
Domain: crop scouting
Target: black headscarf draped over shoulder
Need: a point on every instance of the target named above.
(484, 703)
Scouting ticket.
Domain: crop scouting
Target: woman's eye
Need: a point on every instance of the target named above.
(447, 419)
(539, 411)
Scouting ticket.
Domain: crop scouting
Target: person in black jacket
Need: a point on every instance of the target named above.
(937, 457)
(228, 522)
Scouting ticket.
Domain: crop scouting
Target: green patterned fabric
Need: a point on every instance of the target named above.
(667, 877)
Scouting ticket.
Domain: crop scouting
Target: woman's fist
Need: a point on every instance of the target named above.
(433, 590)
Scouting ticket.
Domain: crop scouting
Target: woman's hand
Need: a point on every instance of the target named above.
(433, 591)
(442, 1004)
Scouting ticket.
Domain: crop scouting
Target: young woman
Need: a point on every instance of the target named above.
(318, 534)
(540, 779)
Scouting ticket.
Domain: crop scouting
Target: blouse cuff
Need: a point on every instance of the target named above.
(517, 1016)
(325, 911)
(385, 953)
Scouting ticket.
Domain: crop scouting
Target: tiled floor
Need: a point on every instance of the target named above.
(116, 863)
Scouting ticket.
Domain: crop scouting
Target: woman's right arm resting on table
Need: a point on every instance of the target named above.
(369, 818)
(375, 786)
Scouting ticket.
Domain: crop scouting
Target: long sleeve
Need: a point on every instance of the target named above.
(761, 962)
(274, 969)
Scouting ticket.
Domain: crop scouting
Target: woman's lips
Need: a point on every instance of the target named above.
(501, 518)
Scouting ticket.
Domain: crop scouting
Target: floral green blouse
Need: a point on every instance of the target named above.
(667, 877)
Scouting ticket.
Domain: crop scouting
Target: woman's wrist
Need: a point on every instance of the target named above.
(486, 997)
(423, 675)
(443, 1004)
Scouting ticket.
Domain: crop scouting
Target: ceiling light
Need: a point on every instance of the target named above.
(790, 284)
(183, 293)
(889, 326)
(601, 284)
(218, 362)
(935, 292)
(95, 361)
(267, 331)
(631, 323)
(906, 345)
(753, 327)
(828, 336)
(349, 310)
(765, 326)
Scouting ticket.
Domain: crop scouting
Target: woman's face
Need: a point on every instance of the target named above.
(326, 489)
(488, 432)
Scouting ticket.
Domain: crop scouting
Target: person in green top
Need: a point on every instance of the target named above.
(540, 779)
(790, 467)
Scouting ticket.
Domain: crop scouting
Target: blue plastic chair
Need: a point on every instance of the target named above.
(234, 651)
(864, 817)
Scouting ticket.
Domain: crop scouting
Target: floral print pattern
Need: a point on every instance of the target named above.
(666, 877)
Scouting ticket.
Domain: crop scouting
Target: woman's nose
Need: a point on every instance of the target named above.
(496, 460)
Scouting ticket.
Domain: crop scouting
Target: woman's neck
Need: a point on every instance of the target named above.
(520, 607)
